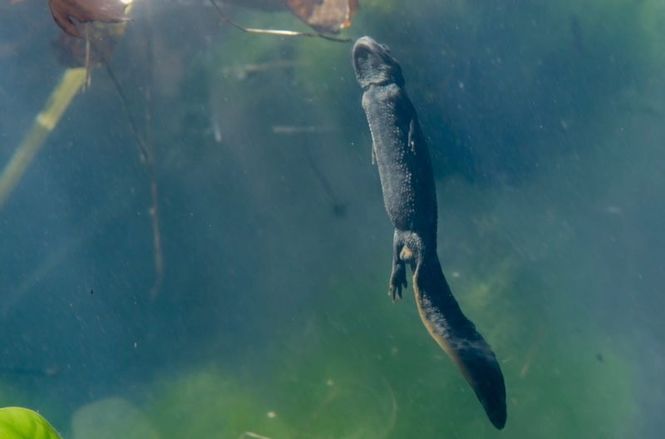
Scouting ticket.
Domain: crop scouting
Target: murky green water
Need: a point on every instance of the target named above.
(272, 317)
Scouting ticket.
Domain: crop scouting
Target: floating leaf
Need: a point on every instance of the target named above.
(66, 11)
(324, 15)
(20, 423)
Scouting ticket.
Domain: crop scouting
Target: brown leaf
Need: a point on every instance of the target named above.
(66, 11)
(324, 15)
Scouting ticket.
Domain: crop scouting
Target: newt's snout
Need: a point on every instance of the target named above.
(374, 65)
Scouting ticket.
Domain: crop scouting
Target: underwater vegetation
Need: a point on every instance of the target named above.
(300, 390)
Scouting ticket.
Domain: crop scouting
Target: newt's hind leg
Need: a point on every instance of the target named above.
(398, 275)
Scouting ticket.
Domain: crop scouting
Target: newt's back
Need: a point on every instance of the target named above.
(399, 147)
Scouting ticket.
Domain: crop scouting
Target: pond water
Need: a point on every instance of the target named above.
(198, 247)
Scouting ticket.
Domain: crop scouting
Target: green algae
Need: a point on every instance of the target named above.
(112, 418)
(209, 403)
(366, 368)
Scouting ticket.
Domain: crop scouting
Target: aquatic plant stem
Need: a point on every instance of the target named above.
(72, 81)
(149, 147)
(146, 156)
(275, 32)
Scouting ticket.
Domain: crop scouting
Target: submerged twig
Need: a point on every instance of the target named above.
(72, 81)
(88, 59)
(158, 257)
(252, 435)
(156, 237)
(142, 147)
(275, 32)
(146, 156)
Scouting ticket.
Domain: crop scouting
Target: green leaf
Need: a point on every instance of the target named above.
(21, 423)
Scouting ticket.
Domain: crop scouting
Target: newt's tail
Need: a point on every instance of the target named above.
(457, 336)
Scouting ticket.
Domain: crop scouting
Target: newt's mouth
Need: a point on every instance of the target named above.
(368, 44)
(373, 63)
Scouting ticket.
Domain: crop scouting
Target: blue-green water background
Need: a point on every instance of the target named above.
(545, 122)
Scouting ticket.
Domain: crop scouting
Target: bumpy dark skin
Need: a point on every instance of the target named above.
(409, 195)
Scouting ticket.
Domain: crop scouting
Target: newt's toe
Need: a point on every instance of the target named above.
(397, 282)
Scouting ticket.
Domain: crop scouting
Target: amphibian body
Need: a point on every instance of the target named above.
(409, 195)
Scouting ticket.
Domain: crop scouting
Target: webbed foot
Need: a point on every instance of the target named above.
(397, 281)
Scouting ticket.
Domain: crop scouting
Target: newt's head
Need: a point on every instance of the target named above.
(374, 65)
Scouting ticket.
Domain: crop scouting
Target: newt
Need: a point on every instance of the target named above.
(401, 154)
